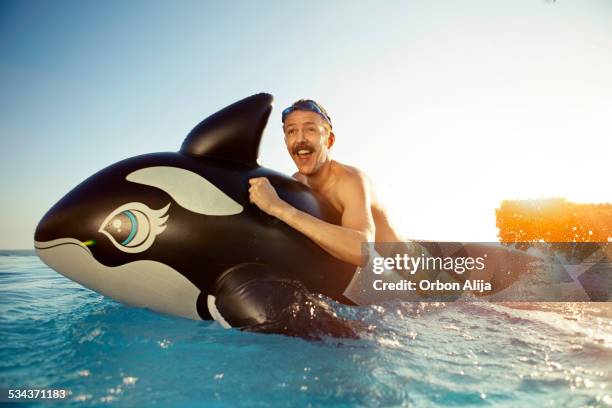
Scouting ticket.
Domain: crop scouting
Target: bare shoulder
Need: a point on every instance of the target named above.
(351, 180)
(350, 174)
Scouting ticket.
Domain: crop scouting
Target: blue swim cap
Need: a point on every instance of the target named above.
(307, 105)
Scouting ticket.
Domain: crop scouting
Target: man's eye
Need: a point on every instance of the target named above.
(311, 129)
(291, 132)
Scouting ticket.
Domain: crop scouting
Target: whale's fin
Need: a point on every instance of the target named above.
(253, 297)
(233, 133)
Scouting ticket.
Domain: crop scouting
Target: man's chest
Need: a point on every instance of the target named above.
(331, 197)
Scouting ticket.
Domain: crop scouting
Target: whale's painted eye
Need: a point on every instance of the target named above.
(133, 226)
(130, 228)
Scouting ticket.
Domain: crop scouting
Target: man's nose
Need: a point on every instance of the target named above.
(301, 136)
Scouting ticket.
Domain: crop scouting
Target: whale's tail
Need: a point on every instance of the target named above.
(253, 297)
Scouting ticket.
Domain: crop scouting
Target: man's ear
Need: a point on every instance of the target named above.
(330, 140)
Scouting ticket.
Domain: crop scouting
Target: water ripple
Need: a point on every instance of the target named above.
(57, 334)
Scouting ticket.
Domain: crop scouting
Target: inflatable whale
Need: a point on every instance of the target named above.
(175, 233)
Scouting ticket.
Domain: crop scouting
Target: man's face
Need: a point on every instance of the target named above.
(307, 137)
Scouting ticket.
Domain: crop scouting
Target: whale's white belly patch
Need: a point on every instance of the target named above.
(144, 283)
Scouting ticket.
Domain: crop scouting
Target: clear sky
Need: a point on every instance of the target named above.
(450, 106)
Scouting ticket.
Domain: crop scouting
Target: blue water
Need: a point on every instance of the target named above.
(56, 334)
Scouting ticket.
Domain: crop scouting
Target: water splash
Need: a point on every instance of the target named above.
(58, 335)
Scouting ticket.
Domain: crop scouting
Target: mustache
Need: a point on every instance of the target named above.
(302, 146)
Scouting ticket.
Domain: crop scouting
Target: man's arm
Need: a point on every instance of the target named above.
(342, 241)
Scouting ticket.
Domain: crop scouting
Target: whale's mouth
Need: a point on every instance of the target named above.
(45, 245)
(140, 283)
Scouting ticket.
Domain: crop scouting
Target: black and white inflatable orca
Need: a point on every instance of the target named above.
(175, 233)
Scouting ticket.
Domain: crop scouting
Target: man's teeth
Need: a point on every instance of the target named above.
(303, 151)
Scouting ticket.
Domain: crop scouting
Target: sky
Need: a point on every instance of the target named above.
(450, 107)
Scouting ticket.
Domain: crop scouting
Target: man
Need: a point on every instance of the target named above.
(309, 138)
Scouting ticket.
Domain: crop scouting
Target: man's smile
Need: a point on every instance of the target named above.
(303, 152)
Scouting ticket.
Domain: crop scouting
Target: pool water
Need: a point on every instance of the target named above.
(56, 334)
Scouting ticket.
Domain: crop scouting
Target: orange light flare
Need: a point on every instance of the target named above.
(553, 220)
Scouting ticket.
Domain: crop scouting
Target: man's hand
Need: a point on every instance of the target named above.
(341, 241)
(263, 195)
